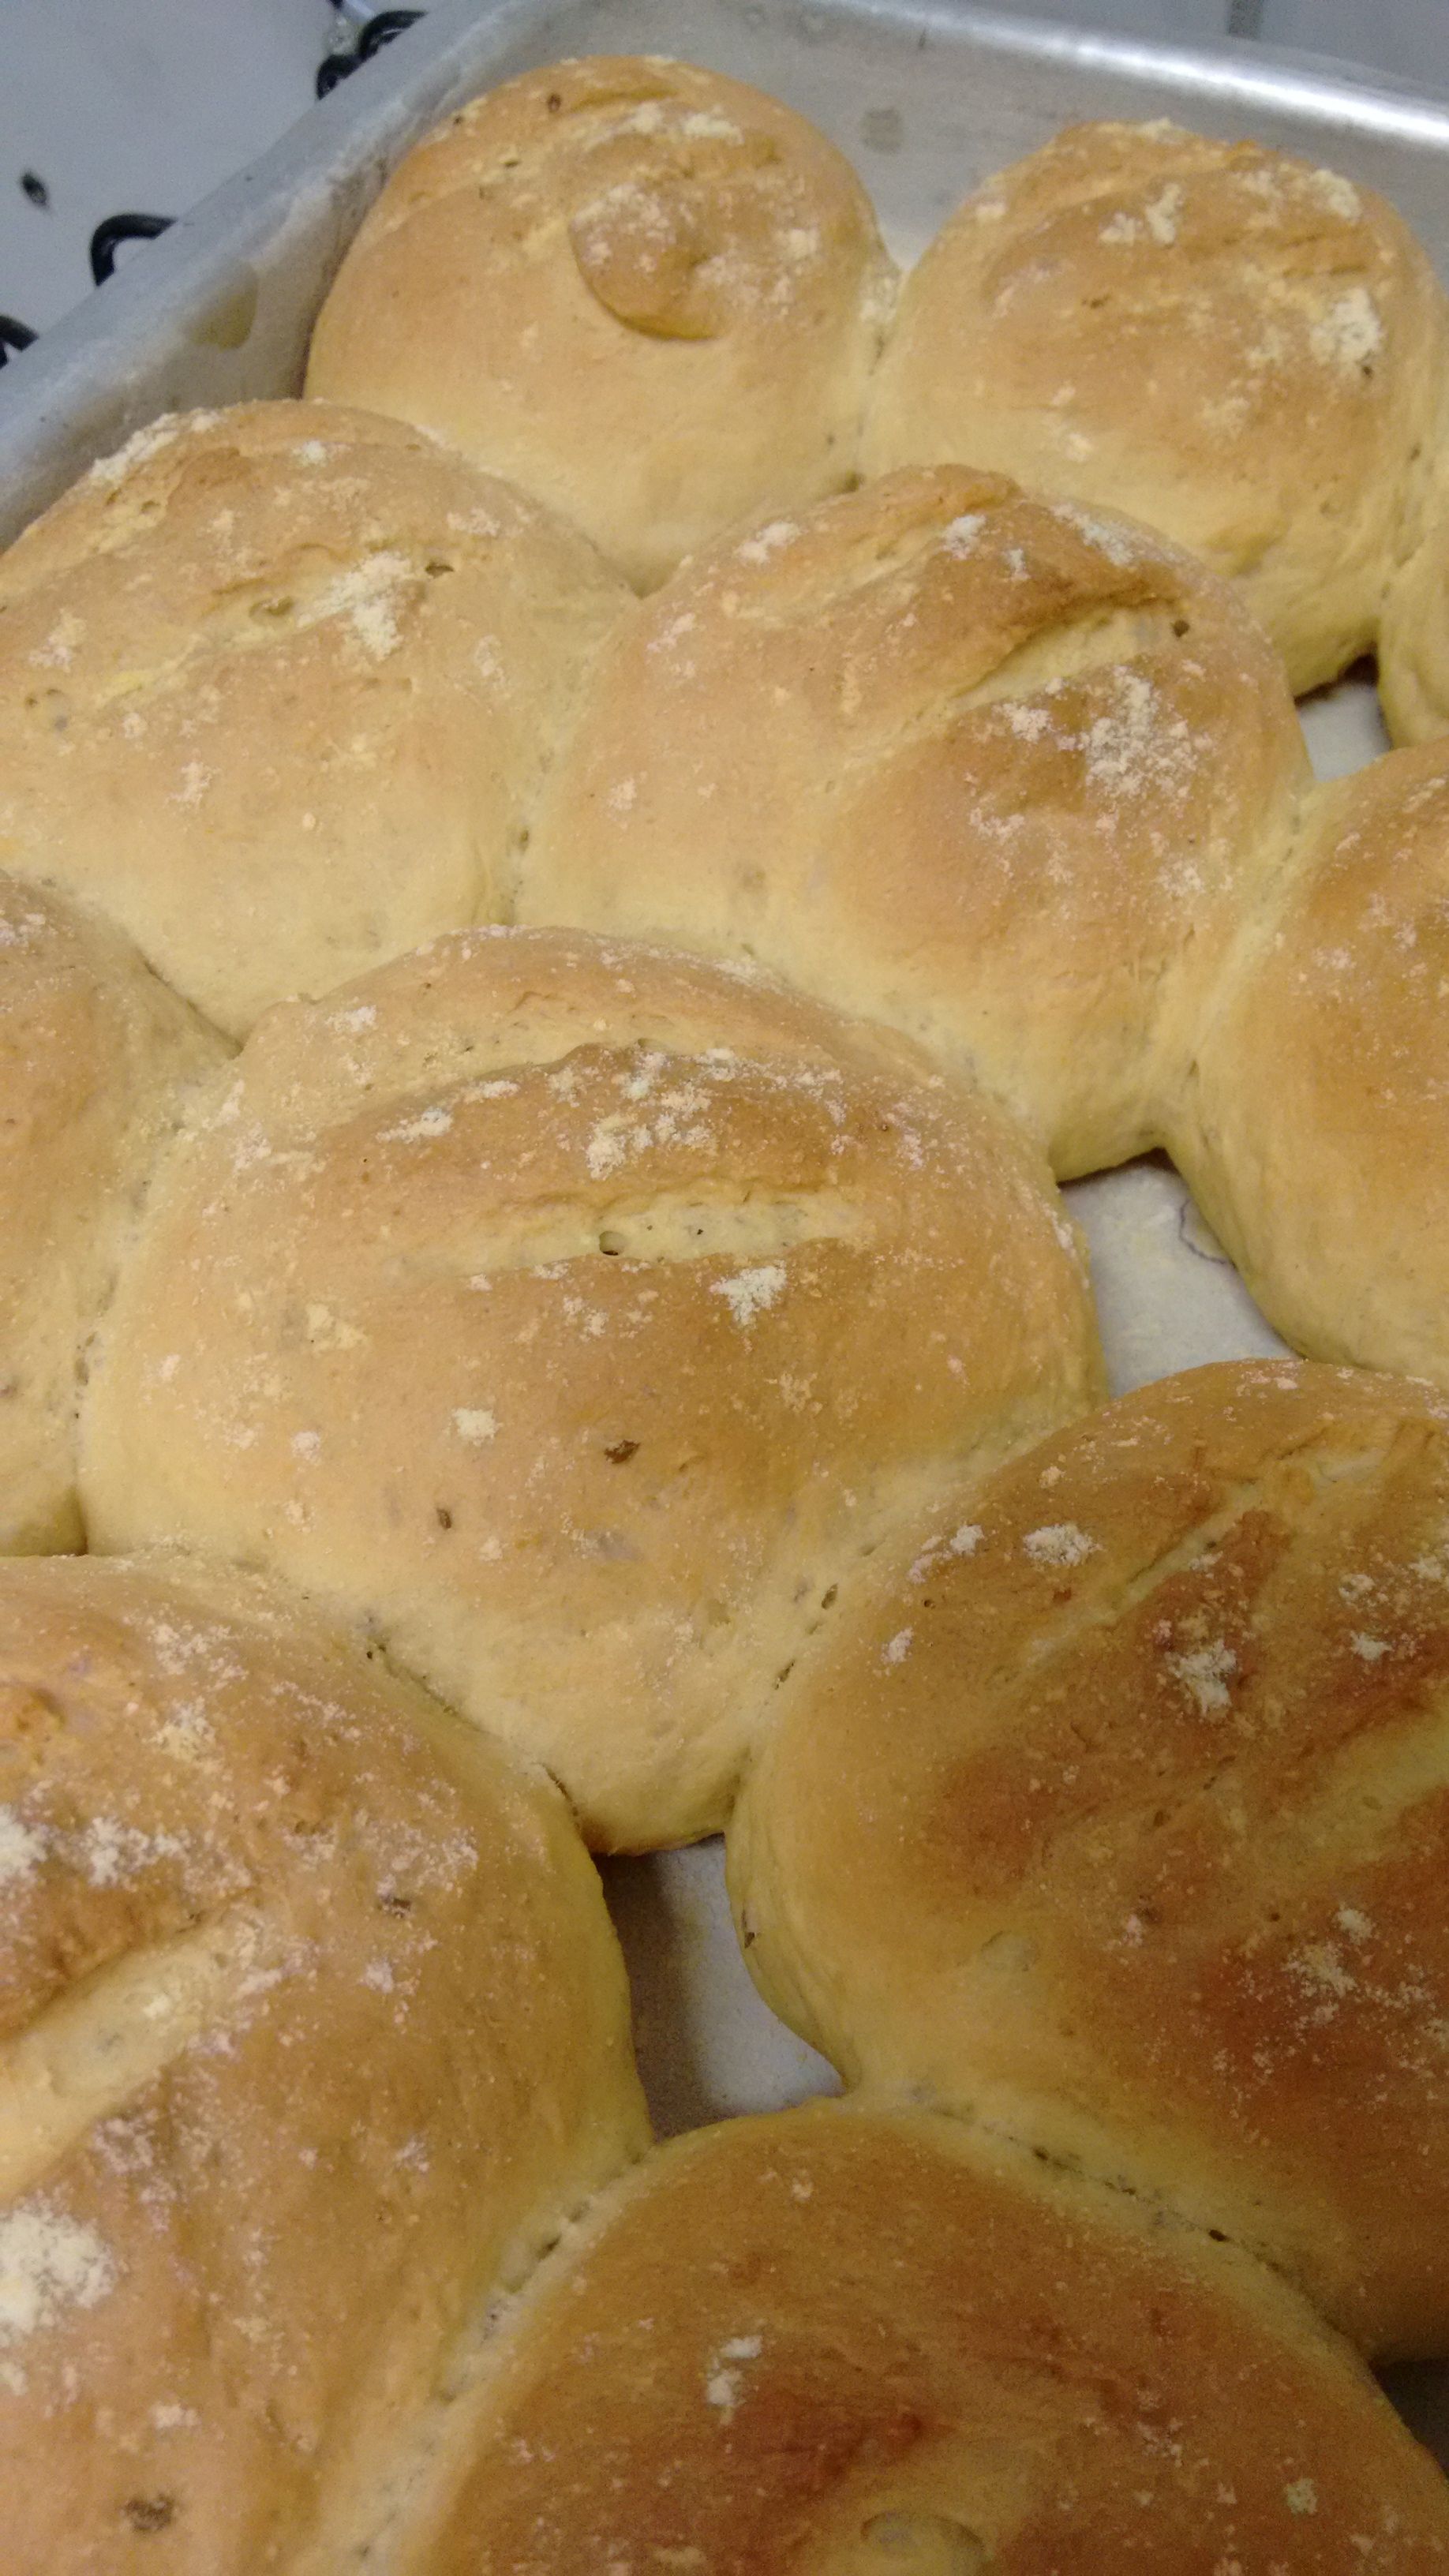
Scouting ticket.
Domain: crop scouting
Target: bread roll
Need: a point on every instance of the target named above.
(577, 1317)
(277, 687)
(95, 1059)
(871, 2342)
(1119, 1816)
(312, 2033)
(1242, 350)
(645, 292)
(996, 771)
(1314, 1130)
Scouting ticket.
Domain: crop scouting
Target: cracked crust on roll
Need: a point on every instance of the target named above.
(579, 1317)
(1118, 1816)
(647, 293)
(96, 1061)
(1243, 350)
(855, 2340)
(998, 771)
(313, 2034)
(278, 686)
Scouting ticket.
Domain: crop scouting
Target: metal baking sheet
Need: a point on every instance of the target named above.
(926, 100)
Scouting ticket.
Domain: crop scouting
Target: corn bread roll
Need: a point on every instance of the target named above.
(645, 292)
(1243, 350)
(96, 1059)
(577, 1317)
(866, 2341)
(277, 688)
(1119, 1815)
(312, 2033)
(1315, 1130)
(999, 772)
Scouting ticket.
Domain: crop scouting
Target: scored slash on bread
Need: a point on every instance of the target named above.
(577, 1316)
(313, 2032)
(998, 771)
(1246, 352)
(1113, 1814)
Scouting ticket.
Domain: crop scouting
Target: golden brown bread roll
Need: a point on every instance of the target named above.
(999, 772)
(872, 2342)
(577, 1317)
(1119, 1817)
(647, 293)
(95, 1060)
(1242, 350)
(277, 687)
(312, 2033)
(1314, 1129)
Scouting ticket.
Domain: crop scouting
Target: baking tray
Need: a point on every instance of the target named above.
(925, 101)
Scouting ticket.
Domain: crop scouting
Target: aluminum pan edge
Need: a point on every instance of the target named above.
(220, 309)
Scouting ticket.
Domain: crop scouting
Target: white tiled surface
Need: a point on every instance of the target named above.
(147, 104)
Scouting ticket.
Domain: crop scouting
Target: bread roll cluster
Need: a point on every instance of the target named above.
(1025, 782)
(658, 299)
(1000, 772)
(1248, 353)
(606, 1360)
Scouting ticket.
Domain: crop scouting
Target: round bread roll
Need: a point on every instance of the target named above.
(872, 2342)
(313, 2033)
(1120, 1817)
(95, 1060)
(1314, 1130)
(645, 292)
(277, 688)
(996, 771)
(578, 1317)
(1242, 350)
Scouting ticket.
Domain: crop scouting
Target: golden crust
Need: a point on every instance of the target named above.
(312, 2032)
(859, 2341)
(578, 1317)
(1120, 1817)
(1240, 349)
(95, 1059)
(999, 772)
(647, 293)
(1313, 1132)
(277, 688)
